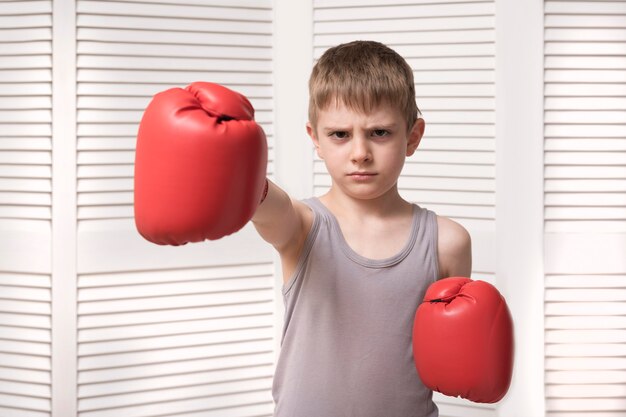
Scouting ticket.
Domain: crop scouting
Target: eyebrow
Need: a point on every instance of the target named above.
(335, 129)
(373, 126)
(382, 126)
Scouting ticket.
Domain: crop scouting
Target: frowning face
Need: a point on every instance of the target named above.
(364, 153)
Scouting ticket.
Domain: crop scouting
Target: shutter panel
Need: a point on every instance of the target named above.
(451, 47)
(585, 121)
(585, 207)
(25, 207)
(26, 112)
(164, 330)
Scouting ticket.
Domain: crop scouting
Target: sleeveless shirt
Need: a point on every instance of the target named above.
(346, 348)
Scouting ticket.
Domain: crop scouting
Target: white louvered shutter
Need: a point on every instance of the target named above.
(585, 208)
(25, 208)
(450, 46)
(185, 331)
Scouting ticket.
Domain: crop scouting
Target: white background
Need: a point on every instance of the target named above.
(525, 144)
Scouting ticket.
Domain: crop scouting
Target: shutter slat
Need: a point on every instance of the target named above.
(574, 7)
(122, 380)
(350, 25)
(143, 321)
(173, 37)
(168, 397)
(174, 64)
(171, 24)
(200, 11)
(583, 34)
(584, 335)
(585, 144)
(577, 48)
(171, 51)
(331, 4)
(197, 327)
(585, 199)
(222, 350)
(401, 11)
(403, 38)
(12, 50)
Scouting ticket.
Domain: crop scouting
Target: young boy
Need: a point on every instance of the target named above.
(357, 261)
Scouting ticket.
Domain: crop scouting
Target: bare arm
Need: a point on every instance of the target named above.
(284, 223)
(454, 249)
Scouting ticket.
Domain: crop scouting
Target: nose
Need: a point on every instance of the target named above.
(360, 151)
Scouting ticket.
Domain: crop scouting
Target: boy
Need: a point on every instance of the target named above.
(357, 260)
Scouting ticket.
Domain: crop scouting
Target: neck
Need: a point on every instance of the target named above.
(387, 205)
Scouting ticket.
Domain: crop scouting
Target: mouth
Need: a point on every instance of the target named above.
(362, 176)
(361, 173)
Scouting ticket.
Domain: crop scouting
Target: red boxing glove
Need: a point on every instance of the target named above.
(200, 165)
(463, 340)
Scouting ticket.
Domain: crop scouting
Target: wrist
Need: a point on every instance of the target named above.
(264, 195)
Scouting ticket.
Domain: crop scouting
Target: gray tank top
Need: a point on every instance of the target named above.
(346, 348)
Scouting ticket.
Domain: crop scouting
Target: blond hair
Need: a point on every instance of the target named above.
(362, 75)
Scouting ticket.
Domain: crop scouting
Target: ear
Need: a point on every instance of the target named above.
(311, 132)
(415, 136)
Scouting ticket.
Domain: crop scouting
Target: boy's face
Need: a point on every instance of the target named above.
(364, 153)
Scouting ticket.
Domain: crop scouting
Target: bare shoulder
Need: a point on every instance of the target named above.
(454, 249)
(303, 220)
(305, 213)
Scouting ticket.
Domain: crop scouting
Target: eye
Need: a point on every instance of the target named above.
(339, 134)
(380, 133)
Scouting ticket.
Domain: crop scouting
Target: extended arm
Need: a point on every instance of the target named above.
(284, 223)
